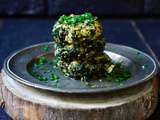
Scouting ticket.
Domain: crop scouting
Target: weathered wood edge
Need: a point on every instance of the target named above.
(19, 108)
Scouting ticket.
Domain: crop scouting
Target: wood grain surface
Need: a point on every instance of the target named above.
(26, 103)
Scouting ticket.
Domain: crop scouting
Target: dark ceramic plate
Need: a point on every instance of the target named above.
(141, 66)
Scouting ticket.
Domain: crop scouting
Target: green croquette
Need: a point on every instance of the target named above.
(79, 47)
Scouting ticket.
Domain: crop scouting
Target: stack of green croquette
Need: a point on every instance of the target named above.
(79, 46)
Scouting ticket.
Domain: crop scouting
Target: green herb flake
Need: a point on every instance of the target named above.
(42, 60)
(53, 77)
(40, 77)
(46, 48)
(74, 19)
(119, 74)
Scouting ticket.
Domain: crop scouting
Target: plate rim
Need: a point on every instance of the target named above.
(43, 87)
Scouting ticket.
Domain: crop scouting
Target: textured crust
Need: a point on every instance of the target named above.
(80, 46)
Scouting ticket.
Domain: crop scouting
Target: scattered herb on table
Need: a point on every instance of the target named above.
(42, 60)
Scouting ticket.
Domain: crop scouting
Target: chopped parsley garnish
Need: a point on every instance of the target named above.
(46, 48)
(119, 73)
(75, 19)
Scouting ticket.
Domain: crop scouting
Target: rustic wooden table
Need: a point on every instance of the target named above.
(140, 34)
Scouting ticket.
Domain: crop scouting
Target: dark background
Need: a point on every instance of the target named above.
(134, 23)
(109, 8)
